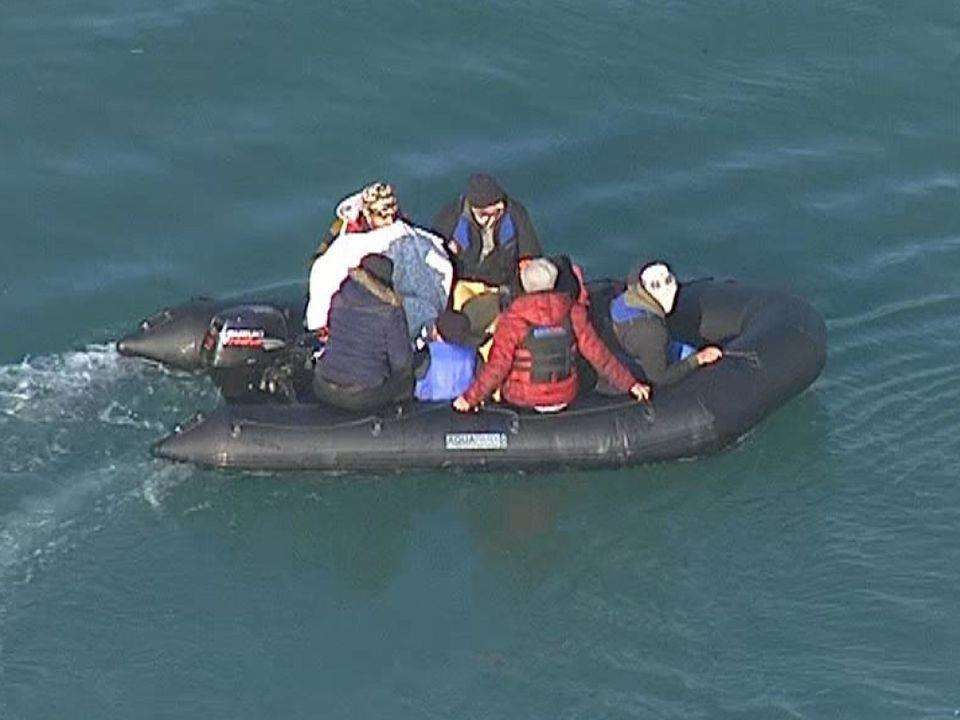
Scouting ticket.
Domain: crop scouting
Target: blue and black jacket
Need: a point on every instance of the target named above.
(514, 236)
(644, 337)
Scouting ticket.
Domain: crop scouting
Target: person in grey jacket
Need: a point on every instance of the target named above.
(639, 322)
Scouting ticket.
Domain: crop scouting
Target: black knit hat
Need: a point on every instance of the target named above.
(483, 190)
(454, 327)
(480, 311)
(380, 267)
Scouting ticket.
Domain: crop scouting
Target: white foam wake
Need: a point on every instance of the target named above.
(48, 387)
(75, 431)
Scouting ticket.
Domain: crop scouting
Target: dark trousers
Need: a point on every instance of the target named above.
(395, 388)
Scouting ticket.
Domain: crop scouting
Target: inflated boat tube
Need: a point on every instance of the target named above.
(775, 345)
(174, 336)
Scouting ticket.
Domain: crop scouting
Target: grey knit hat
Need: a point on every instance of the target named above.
(538, 275)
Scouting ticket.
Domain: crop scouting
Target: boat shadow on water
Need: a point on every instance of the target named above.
(363, 531)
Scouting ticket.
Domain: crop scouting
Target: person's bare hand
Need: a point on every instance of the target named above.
(461, 405)
(640, 392)
(709, 355)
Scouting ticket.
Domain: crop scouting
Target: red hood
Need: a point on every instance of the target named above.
(542, 308)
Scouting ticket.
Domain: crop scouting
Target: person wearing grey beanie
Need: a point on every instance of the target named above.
(535, 347)
(538, 275)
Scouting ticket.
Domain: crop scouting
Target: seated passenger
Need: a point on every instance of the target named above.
(348, 218)
(422, 272)
(448, 360)
(534, 349)
(639, 322)
(487, 234)
(367, 359)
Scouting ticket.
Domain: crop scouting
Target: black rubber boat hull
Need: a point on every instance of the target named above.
(174, 336)
(775, 344)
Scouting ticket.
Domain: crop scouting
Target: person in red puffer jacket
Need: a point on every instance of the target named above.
(534, 349)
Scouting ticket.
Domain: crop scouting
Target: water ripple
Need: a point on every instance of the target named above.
(886, 312)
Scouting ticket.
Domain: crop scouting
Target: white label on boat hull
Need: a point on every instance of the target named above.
(476, 441)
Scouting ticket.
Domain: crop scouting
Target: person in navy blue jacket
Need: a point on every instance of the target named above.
(447, 361)
(367, 361)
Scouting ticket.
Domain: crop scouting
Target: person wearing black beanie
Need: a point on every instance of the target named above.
(446, 360)
(379, 267)
(367, 361)
(487, 233)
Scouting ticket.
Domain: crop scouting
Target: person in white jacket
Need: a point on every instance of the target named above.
(423, 274)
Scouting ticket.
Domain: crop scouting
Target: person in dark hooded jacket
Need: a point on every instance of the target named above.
(367, 361)
(487, 233)
(639, 322)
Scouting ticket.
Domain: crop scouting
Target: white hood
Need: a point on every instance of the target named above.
(657, 280)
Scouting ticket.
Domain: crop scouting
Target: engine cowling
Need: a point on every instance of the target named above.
(240, 343)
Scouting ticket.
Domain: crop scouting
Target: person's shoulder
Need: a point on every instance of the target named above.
(623, 313)
(446, 216)
(341, 249)
(579, 310)
(524, 226)
(423, 236)
(516, 207)
(349, 294)
(515, 312)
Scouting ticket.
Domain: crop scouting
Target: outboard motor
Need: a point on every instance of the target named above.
(240, 345)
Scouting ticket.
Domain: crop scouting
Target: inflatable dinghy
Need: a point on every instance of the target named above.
(774, 344)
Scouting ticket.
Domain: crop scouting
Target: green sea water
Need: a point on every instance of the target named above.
(154, 151)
